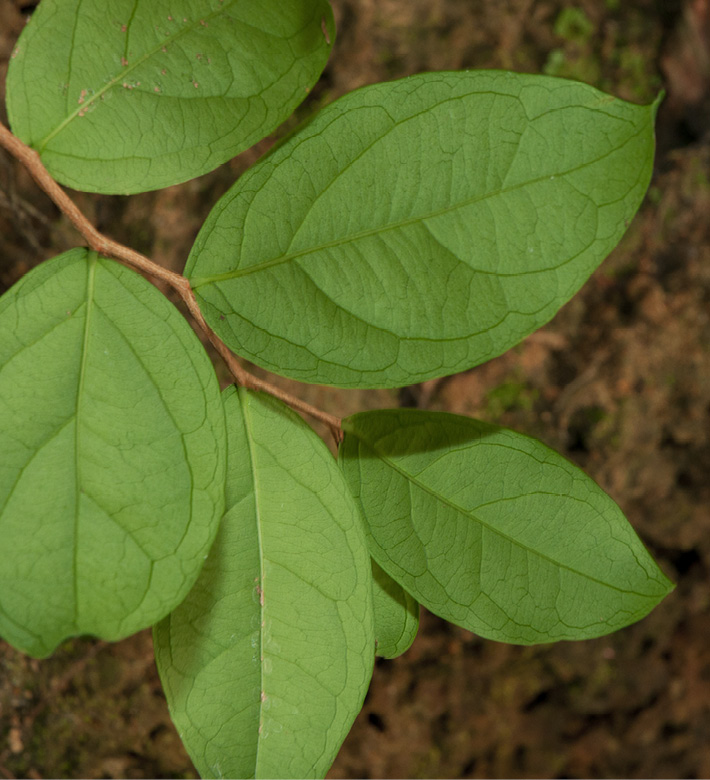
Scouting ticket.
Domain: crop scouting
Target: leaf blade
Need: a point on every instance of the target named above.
(494, 531)
(396, 615)
(159, 92)
(275, 640)
(111, 478)
(430, 224)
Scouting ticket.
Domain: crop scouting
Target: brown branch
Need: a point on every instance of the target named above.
(107, 246)
(250, 381)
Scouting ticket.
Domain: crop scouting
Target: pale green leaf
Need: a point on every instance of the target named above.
(396, 614)
(112, 454)
(417, 228)
(493, 530)
(266, 663)
(134, 95)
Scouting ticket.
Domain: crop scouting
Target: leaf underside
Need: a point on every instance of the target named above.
(112, 454)
(494, 531)
(416, 228)
(150, 93)
(266, 663)
(396, 614)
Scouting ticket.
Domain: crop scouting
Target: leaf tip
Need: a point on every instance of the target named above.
(657, 102)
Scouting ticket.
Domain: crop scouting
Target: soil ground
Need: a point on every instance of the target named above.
(619, 382)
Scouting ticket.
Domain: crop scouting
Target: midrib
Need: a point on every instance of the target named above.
(244, 401)
(352, 237)
(470, 514)
(127, 70)
(90, 288)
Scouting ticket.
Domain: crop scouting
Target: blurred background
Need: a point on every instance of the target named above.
(619, 382)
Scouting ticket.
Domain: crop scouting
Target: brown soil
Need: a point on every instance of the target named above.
(619, 382)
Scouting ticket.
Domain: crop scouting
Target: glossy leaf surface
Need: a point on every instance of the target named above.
(112, 454)
(494, 531)
(134, 95)
(266, 663)
(417, 228)
(396, 614)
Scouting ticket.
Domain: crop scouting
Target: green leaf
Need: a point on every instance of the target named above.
(396, 614)
(134, 95)
(494, 531)
(417, 228)
(266, 663)
(112, 454)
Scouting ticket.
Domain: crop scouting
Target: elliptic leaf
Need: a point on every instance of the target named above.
(132, 95)
(493, 530)
(266, 663)
(112, 454)
(396, 614)
(417, 228)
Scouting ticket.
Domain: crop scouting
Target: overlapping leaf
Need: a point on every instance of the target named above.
(396, 614)
(266, 663)
(494, 531)
(139, 94)
(417, 228)
(112, 454)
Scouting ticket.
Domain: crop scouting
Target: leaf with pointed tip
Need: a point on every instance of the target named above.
(417, 228)
(396, 614)
(493, 530)
(266, 663)
(134, 95)
(112, 454)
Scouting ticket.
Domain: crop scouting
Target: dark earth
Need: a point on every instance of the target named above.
(619, 382)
